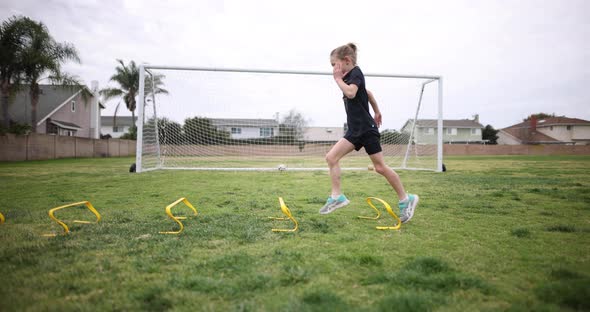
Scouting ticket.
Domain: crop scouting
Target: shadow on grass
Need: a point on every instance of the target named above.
(566, 289)
(322, 300)
(410, 302)
(521, 232)
(561, 228)
(424, 283)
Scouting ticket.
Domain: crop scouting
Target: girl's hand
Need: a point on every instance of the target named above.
(378, 119)
(337, 71)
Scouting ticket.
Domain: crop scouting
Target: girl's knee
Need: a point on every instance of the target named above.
(331, 160)
(381, 169)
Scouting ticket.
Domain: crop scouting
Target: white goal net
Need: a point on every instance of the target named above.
(240, 119)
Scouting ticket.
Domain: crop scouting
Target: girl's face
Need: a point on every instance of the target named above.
(344, 64)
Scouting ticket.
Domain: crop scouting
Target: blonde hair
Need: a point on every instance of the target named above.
(344, 51)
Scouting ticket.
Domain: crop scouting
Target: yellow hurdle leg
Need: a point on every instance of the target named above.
(398, 223)
(286, 211)
(374, 208)
(2, 219)
(177, 219)
(65, 226)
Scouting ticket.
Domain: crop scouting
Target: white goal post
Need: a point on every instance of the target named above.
(259, 119)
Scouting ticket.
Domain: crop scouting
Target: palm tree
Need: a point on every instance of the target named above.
(14, 36)
(127, 77)
(42, 60)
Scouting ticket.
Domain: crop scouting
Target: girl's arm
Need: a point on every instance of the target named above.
(373, 103)
(349, 90)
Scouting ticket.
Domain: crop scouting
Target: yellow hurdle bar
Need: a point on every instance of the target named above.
(286, 211)
(2, 219)
(177, 219)
(65, 226)
(398, 223)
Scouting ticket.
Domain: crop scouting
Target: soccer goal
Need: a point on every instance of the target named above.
(251, 119)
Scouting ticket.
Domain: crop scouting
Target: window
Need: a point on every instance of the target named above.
(266, 132)
(116, 129)
(428, 130)
(236, 130)
(475, 131)
(73, 106)
(452, 131)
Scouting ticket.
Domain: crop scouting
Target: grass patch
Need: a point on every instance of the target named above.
(483, 238)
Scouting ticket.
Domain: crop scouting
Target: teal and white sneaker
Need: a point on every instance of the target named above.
(407, 207)
(333, 204)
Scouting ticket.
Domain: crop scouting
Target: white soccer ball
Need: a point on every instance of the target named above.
(282, 167)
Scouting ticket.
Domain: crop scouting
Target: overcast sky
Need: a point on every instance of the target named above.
(500, 59)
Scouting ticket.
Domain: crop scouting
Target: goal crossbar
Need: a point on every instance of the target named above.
(286, 72)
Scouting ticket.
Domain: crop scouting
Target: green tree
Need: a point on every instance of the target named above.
(169, 131)
(14, 37)
(127, 78)
(489, 133)
(131, 135)
(42, 59)
(538, 116)
(200, 130)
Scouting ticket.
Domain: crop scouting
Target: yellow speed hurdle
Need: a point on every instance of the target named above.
(398, 223)
(286, 211)
(2, 219)
(65, 226)
(175, 218)
(374, 208)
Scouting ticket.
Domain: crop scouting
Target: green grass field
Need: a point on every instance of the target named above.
(491, 234)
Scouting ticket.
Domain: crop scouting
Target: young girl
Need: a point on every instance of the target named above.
(362, 132)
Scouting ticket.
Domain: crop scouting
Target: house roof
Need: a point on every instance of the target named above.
(525, 135)
(229, 122)
(66, 125)
(447, 123)
(553, 121)
(50, 99)
(122, 121)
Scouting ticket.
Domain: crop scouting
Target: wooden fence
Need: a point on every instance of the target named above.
(552, 149)
(42, 146)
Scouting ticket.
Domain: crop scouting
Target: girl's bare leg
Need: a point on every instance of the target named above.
(391, 176)
(339, 150)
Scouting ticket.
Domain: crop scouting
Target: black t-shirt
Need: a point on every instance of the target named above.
(358, 116)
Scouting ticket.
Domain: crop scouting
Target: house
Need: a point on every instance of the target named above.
(323, 134)
(247, 128)
(551, 130)
(115, 126)
(62, 110)
(455, 131)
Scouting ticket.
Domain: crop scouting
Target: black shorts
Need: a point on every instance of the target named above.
(370, 140)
